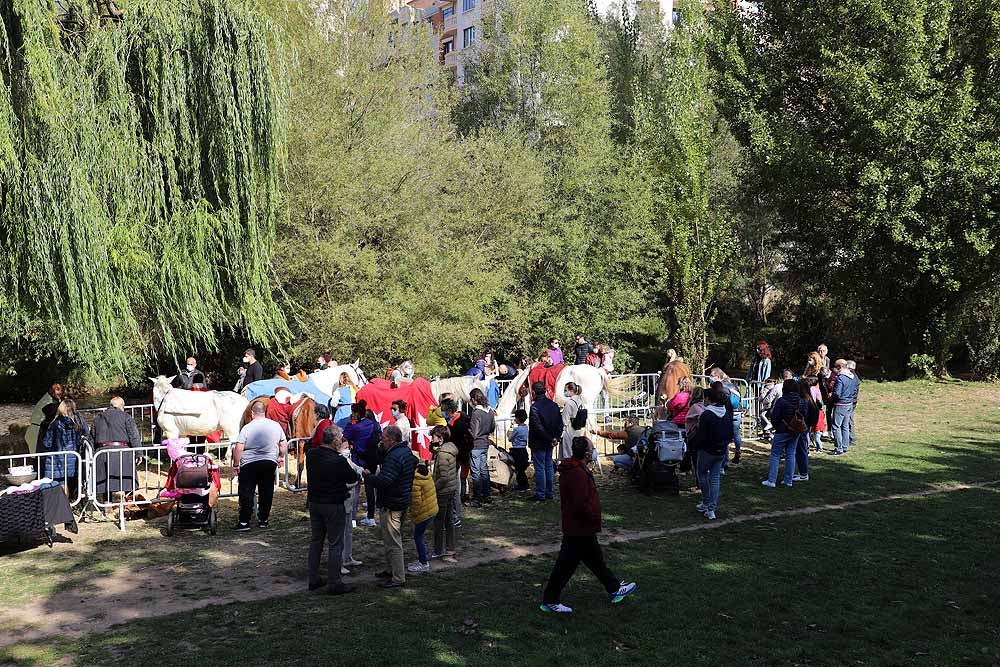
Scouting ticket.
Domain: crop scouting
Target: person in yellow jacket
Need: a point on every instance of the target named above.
(423, 509)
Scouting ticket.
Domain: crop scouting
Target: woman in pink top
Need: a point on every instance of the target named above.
(677, 407)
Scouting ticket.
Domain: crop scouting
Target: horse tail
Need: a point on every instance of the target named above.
(620, 387)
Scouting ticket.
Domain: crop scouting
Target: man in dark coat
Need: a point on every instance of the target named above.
(251, 371)
(393, 485)
(545, 427)
(581, 521)
(582, 349)
(115, 470)
(329, 474)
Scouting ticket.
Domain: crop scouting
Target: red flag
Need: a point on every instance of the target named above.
(379, 395)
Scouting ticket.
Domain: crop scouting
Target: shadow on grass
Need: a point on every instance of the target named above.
(109, 578)
(900, 583)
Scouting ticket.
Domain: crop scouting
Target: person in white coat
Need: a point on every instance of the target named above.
(573, 405)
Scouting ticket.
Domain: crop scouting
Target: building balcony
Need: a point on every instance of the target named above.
(451, 59)
(451, 23)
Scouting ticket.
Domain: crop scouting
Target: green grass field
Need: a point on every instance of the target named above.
(895, 582)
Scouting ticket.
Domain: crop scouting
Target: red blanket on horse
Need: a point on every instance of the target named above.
(379, 395)
(549, 375)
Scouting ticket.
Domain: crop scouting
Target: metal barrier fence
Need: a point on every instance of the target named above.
(294, 445)
(70, 460)
(121, 477)
(144, 415)
(114, 477)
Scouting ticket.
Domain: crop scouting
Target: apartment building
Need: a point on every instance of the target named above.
(457, 27)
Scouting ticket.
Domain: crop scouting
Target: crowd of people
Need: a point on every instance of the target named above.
(352, 459)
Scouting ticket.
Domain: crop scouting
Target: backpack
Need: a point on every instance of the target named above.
(389, 371)
(579, 419)
(593, 359)
(797, 423)
(735, 400)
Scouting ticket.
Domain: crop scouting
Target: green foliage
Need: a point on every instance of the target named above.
(139, 175)
(580, 264)
(398, 232)
(922, 365)
(674, 177)
(874, 128)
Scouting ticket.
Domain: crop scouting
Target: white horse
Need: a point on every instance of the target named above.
(592, 382)
(182, 412)
(328, 379)
(458, 387)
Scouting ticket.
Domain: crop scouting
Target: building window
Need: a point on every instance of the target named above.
(448, 46)
(468, 5)
(468, 36)
(448, 11)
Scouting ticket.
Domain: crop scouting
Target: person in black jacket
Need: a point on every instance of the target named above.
(114, 429)
(545, 429)
(458, 424)
(582, 349)
(711, 440)
(786, 414)
(251, 372)
(329, 474)
(393, 485)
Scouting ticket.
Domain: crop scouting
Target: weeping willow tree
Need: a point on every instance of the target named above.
(139, 173)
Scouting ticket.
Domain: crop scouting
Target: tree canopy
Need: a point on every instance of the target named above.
(140, 166)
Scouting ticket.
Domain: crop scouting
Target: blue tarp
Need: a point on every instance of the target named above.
(267, 387)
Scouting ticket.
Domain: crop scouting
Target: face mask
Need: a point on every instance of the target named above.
(395, 412)
(566, 394)
(246, 360)
(190, 367)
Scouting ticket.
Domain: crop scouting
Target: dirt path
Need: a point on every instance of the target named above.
(259, 568)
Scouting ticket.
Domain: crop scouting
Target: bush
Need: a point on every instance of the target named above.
(922, 365)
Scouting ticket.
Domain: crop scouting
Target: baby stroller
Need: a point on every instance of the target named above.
(194, 484)
(655, 467)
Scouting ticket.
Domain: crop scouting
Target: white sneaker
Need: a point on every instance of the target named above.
(624, 590)
(768, 483)
(701, 507)
(710, 515)
(353, 563)
(417, 567)
(557, 608)
(800, 478)
(344, 570)
(354, 524)
(370, 523)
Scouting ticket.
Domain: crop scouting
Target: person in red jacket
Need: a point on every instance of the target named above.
(581, 522)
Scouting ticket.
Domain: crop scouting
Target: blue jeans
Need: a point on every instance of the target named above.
(418, 539)
(709, 469)
(843, 415)
(782, 444)
(480, 473)
(545, 473)
(817, 440)
(802, 454)
(623, 461)
(737, 428)
(853, 408)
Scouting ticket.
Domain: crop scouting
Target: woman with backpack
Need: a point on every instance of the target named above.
(64, 434)
(788, 414)
(711, 440)
(572, 427)
(812, 419)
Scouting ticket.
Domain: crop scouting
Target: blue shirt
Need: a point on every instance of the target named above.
(519, 436)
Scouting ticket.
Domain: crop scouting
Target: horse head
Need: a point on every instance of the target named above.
(161, 385)
(356, 367)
